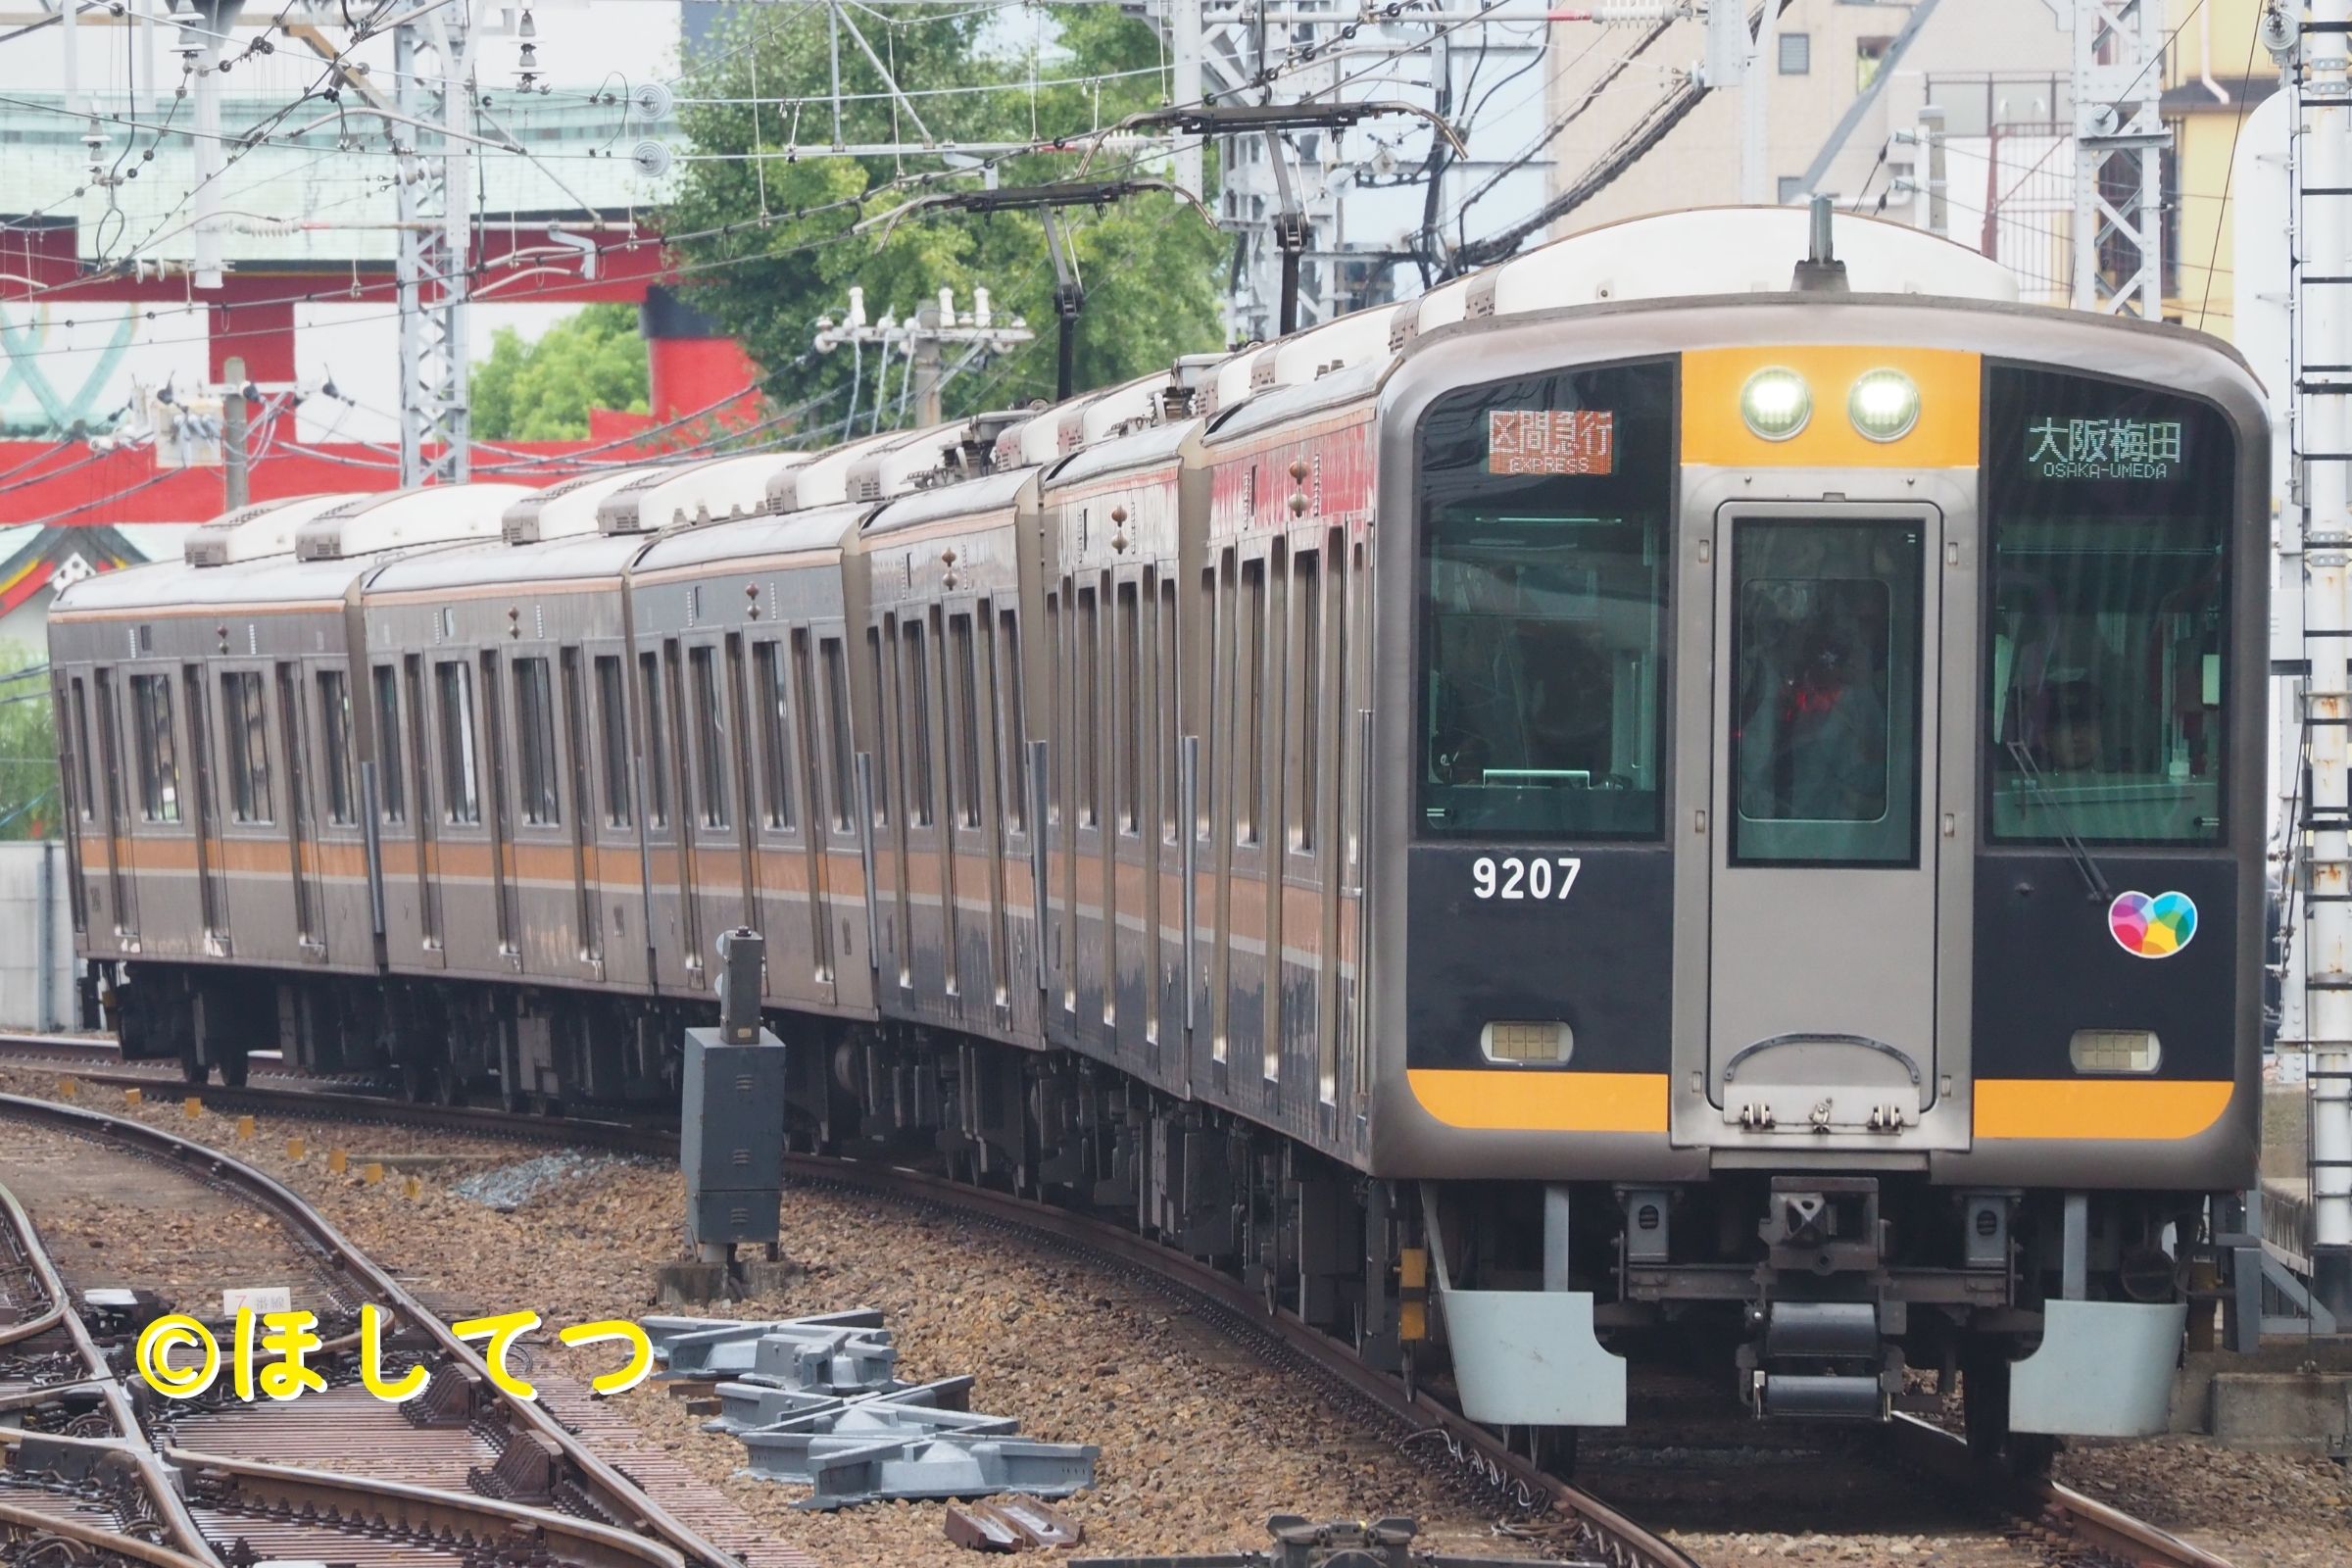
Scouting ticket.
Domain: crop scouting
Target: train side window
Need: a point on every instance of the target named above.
(1056, 657)
(1169, 713)
(461, 773)
(1086, 737)
(1216, 623)
(656, 744)
(413, 677)
(803, 729)
(769, 694)
(1306, 734)
(334, 733)
(885, 699)
(390, 779)
(535, 741)
(1012, 719)
(155, 747)
(965, 673)
(914, 713)
(709, 739)
(84, 798)
(246, 733)
(837, 732)
(613, 729)
(1250, 706)
(1127, 683)
(109, 769)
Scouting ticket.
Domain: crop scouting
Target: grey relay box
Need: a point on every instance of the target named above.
(731, 1136)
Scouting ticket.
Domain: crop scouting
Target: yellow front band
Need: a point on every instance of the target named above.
(1506, 1099)
(1946, 435)
(2101, 1109)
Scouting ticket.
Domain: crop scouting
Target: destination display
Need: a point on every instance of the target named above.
(1551, 441)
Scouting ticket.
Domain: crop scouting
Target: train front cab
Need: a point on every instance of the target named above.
(1828, 840)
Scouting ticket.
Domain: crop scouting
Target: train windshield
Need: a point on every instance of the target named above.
(1542, 604)
(2108, 509)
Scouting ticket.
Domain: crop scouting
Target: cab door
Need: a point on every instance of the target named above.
(1823, 849)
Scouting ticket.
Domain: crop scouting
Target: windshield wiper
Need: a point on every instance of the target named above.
(2092, 877)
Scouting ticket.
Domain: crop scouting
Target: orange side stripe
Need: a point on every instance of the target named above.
(2103, 1109)
(1510, 1099)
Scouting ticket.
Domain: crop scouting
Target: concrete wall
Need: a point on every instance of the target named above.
(24, 1002)
(1698, 163)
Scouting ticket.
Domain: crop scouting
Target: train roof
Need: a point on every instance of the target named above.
(166, 586)
(987, 494)
(710, 491)
(1158, 444)
(436, 515)
(570, 506)
(788, 533)
(565, 559)
(263, 528)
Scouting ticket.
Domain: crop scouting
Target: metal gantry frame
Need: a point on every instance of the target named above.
(432, 55)
(2120, 137)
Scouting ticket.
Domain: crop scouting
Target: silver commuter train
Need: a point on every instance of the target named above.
(1662, 792)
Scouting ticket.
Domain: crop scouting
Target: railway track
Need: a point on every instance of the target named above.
(2065, 1524)
(465, 1474)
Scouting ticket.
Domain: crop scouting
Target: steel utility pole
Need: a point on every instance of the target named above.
(434, 60)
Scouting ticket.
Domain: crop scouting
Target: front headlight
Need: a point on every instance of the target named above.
(1776, 403)
(1884, 405)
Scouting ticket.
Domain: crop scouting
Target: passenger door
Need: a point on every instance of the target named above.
(1824, 846)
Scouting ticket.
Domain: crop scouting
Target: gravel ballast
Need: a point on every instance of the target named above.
(1200, 1440)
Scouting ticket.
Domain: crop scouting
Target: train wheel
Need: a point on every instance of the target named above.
(233, 1067)
(192, 1066)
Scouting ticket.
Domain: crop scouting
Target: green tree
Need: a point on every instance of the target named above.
(543, 391)
(763, 228)
(30, 806)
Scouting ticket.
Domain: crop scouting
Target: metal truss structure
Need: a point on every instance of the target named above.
(432, 55)
(2120, 137)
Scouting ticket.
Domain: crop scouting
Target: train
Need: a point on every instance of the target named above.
(1694, 792)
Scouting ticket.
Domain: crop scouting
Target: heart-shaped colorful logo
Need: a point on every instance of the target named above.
(2152, 925)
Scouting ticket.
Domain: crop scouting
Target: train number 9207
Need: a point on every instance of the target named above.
(1535, 877)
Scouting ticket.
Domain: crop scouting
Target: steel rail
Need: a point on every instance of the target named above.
(171, 1509)
(1617, 1539)
(44, 1273)
(20, 1523)
(2107, 1534)
(422, 1511)
(617, 1493)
